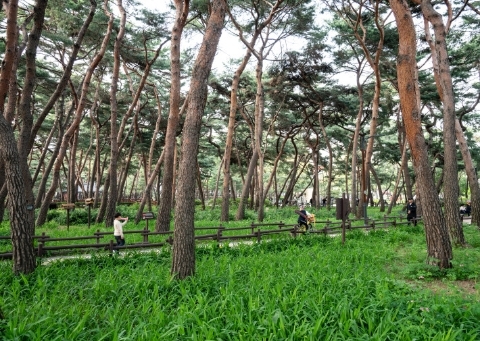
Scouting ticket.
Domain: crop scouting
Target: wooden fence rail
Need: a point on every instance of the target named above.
(221, 234)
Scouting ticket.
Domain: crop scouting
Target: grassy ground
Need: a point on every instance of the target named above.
(375, 287)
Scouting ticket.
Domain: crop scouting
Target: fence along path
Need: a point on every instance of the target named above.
(256, 232)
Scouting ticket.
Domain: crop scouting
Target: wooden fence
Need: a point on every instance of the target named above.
(256, 232)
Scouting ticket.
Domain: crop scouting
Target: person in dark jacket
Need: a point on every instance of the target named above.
(302, 218)
(466, 210)
(411, 212)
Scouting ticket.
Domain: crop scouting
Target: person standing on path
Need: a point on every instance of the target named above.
(118, 229)
(411, 211)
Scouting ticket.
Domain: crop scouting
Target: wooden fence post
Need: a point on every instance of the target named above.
(145, 234)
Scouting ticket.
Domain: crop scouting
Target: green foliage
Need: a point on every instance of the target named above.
(461, 271)
(307, 288)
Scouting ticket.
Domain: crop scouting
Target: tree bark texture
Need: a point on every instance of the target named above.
(229, 140)
(183, 260)
(439, 248)
(114, 148)
(24, 110)
(21, 227)
(444, 83)
(24, 261)
(165, 205)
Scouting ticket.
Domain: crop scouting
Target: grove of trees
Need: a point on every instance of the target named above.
(114, 101)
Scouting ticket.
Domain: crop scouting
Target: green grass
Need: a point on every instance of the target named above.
(375, 287)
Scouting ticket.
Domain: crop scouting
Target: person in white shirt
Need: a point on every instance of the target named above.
(118, 228)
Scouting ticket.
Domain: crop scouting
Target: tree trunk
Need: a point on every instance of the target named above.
(43, 184)
(277, 160)
(379, 188)
(215, 193)
(76, 122)
(183, 259)
(439, 248)
(165, 206)
(21, 226)
(72, 171)
(328, 191)
(358, 122)
(444, 83)
(66, 73)
(471, 174)
(103, 200)
(396, 188)
(3, 189)
(148, 187)
(246, 187)
(230, 132)
(259, 115)
(114, 132)
(24, 111)
(128, 160)
(200, 188)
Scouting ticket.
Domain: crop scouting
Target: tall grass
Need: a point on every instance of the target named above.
(308, 288)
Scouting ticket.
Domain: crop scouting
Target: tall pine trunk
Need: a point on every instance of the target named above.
(114, 145)
(439, 248)
(441, 67)
(21, 226)
(183, 259)
(165, 205)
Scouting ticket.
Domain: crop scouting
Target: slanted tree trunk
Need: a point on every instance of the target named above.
(66, 73)
(165, 205)
(229, 140)
(246, 187)
(43, 183)
(439, 248)
(128, 160)
(24, 111)
(45, 151)
(183, 259)
(74, 125)
(148, 187)
(379, 188)
(277, 159)
(441, 67)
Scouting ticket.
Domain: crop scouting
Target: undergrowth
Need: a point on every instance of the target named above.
(375, 287)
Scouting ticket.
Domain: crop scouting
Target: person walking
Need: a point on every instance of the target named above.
(411, 212)
(118, 229)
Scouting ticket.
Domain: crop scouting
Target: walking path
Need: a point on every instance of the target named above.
(49, 260)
